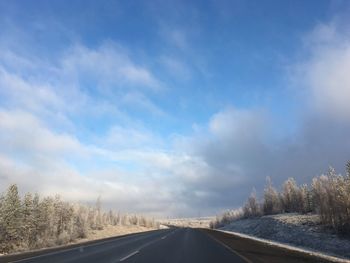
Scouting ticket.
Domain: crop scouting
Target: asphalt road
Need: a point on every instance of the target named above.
(168, 245)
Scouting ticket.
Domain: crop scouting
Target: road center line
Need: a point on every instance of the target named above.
(163, 237)
(130, 255)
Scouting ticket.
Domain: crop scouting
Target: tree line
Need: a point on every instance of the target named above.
(328, 195)
(32, 222)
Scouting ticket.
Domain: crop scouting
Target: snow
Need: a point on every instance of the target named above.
(304, 231)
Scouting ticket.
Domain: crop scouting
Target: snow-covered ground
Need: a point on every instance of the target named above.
(302, 231)
(201, 222)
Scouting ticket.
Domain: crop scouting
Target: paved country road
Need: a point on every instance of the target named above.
(167, 245)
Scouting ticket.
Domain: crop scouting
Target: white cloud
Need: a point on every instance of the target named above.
(127, 137)
(176, 67)
(22, 132)
(212, 169)
(136, 100)
(80, 81)
(56, 177)
(238, 124)
(326, 73)
(28, 95)
(109, 66)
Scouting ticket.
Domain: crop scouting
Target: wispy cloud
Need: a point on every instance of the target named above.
(136, 100)
(176, 67)
(30, 95)
(24, 133)
(109, 66)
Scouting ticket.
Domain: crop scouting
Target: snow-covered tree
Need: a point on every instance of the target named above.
(291, 196)
(252, 207)
(10, 220)
(348, 168)
(272, 204)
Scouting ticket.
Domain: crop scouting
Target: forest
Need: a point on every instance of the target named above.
(32, 222)
(328, 196)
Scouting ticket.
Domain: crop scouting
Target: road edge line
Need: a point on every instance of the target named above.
(272, 243)
(71, 247)
(229, 248)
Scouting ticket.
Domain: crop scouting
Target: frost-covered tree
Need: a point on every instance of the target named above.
(348, 168)
(291, 196)
(99, 224)
(328, 196)
(35, 223)
(306, 204)
(252, 207)
(35, 231)
(11, 219)
(226, 218)
(28, 223)
(332, 200)
(80, 222)
(272, 204)
(2, 223)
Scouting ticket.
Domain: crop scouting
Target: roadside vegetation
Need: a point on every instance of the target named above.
(32, 222)
(328, 196)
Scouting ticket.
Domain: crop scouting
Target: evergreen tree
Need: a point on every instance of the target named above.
(28, 219)
(11, 219)
(98, 214)
(36, 223)
(348, 168)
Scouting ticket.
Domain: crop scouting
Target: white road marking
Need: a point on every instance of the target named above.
(142, 247)
(142, 234)
(130, 255)
(233, 251)
(288, 247)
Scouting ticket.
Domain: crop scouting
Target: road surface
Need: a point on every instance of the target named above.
(168, 246)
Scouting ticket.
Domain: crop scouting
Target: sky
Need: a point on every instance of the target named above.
(171, 108)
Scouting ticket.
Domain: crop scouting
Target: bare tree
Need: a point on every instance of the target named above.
(332, 200)
(272, 204)
(328, 196)
(252, 207)
(291, 196)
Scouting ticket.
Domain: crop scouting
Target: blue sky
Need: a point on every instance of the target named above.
(171, 107)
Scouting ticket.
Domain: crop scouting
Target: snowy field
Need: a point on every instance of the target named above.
(201, 222)
(298, 230)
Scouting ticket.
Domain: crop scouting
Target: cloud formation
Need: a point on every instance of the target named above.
(326, 73)
(74, 123)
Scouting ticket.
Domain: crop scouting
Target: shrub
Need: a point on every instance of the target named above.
(226, 218)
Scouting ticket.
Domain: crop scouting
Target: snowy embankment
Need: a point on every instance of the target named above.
(298, 230)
